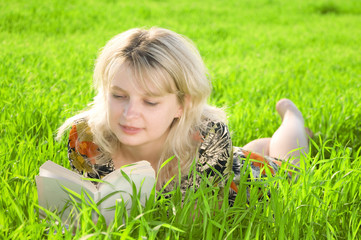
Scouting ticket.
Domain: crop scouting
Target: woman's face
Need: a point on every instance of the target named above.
(136, 118)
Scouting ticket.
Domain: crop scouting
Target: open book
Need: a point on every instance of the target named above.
(54, 181)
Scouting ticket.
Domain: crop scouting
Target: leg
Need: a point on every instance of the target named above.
(290, 135)
(259, 146)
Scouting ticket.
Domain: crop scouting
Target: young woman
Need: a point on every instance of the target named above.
(151, 104)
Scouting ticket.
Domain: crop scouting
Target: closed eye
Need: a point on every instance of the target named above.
(119, 96)
(150, 103)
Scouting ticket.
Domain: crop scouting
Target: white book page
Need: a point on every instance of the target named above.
(53, 177)
(53, 170)
(53, 196)
(141, 167)
(141, 174)
(121, 190)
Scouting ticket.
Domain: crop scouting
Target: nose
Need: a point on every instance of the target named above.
(131, 109)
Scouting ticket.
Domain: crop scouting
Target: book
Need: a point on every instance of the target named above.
(54, 182)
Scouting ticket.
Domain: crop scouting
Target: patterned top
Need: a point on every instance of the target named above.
(215, 156)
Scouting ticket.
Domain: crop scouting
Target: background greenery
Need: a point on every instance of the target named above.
(257, 52)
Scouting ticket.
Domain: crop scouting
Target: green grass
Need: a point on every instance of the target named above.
(257, 52)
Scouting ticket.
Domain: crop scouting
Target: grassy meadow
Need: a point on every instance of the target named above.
(257, 51)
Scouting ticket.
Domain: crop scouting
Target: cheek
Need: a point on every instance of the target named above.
(165, 117)
(114, 109)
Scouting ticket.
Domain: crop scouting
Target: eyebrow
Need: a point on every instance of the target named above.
(114, 87)
(146, 94)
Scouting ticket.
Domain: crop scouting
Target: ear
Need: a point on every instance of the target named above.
(186, 104)
(179, 112)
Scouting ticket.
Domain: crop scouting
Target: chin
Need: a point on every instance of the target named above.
(129, 142)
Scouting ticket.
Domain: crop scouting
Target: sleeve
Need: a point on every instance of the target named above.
(77, 161)
(214, 158)
(215, 151)
(81, 149)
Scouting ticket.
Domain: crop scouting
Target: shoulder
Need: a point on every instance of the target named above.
(214, 131)
(83, 152)
(209, 126)
(81, 141)
(216, 147)
(80, 131)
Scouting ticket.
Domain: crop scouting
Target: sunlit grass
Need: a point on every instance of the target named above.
(257, 52)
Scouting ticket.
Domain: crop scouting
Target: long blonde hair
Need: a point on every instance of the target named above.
(160, 59)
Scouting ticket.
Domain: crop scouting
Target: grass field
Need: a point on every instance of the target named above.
(256, 51)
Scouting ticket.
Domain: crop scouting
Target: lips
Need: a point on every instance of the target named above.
(130, 130)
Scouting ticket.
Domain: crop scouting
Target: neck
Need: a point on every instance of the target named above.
(131, 154)
(150, 152)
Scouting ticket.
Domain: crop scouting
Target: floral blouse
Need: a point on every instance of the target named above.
(214, 153)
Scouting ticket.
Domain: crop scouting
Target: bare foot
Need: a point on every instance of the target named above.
(285, 105)
(290, 139)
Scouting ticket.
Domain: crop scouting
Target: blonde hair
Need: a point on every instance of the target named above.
(168, 62)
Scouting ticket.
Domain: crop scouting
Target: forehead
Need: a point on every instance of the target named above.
(148, 80)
